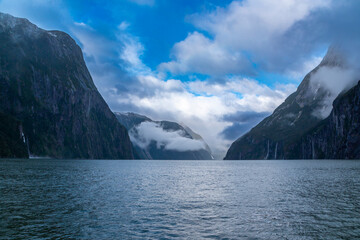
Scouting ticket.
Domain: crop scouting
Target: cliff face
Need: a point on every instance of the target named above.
(278, 136)
(47, 90)
(163, 139)
(338, 136)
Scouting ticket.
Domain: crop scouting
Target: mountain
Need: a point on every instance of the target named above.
(163, 139)
(338, 136)
(279, 135)
(196, 136)
(49, 105)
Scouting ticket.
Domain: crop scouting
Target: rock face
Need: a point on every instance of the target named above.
(338, 136)
(163, 139)
(287, 132)
(49, 105)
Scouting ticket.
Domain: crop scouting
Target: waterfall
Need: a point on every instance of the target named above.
(312, 149)
(268, 149)
(27, 145)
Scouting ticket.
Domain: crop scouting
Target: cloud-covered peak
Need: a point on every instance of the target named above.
(146, 132)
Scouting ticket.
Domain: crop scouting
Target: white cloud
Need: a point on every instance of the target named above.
(245, 94)
(126, 47)
(306, 67)
(199, 54)
(80, 24)
(123, 25)
(202, 105)
(94, 45)
(333, 80)
(245, 32)
(147, 132)
(254, 24)
(131, 53)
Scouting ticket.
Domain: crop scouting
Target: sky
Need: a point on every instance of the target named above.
(217, 66)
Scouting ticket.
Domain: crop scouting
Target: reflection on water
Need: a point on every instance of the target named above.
(179, 199)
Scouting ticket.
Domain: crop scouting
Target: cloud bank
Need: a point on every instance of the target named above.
(199, 54)
(200, 105)
(148, 132)
(334, 80)
(285, 36)
(242, 34)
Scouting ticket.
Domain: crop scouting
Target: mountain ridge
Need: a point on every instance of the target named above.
(158, 142)
(277, 136)
(46, 86)
(337, 136)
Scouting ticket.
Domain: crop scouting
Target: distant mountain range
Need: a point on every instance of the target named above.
(49, 105)
(310, 124)
(163, 139)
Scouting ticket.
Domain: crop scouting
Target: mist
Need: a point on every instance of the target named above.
(334, 80)
(147, 132)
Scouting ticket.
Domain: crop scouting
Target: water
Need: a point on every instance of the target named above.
(53, 199)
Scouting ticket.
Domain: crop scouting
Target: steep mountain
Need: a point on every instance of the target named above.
(278, 136)
(49, 105)
(196, 136)
(338, 136)
(163, 139)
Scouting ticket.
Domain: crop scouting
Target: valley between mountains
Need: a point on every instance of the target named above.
(50, 107)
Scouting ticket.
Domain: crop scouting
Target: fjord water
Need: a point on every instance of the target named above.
(95, 199)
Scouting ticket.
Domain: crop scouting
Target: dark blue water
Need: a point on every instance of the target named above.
(53, 199)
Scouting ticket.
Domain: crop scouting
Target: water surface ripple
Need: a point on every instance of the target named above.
(94, 199)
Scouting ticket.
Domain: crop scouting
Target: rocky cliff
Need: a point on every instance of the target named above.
(49, 105)
(338, 136)
(278, 136)
(163, 139)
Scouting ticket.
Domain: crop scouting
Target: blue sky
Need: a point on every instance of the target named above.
(218, 66)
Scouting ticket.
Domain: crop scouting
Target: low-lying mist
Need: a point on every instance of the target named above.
(147, 132)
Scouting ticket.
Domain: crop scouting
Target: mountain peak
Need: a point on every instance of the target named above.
(11, 21)
(274, 137)
(49, 98)
(335, 57)
(15, 24)
(163, 139)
